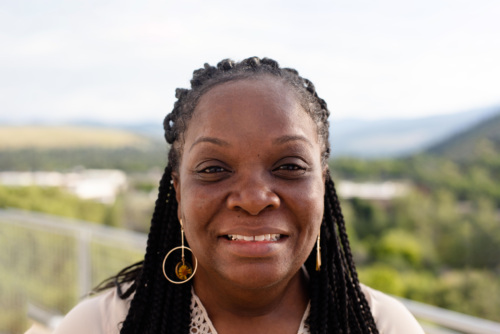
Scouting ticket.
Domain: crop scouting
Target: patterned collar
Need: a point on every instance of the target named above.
(201, 324)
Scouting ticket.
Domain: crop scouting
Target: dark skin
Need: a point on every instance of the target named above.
(251, 168)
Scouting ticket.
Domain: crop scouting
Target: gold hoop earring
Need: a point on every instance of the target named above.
(318, 254)
(183, 270)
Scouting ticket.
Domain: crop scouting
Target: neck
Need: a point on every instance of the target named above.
(275, 309)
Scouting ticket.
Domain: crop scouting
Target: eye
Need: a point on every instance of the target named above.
(212, 173)
(290, 170)
(212, 170)
(290, 167)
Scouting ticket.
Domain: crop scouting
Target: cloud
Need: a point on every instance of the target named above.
(114, 60)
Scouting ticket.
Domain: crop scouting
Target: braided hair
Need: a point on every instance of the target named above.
(338, 304)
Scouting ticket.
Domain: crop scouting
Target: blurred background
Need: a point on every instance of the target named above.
(413, 88)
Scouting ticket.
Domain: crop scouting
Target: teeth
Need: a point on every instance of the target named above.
(259, 237)
(263, 237)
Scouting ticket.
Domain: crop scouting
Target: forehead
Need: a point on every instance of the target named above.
(259, 103)
(260, 90)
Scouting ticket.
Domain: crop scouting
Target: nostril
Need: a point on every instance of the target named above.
(253, 202)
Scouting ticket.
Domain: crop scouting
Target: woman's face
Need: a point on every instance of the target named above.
(250, 183)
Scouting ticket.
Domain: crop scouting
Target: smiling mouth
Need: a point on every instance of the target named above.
(254, 238)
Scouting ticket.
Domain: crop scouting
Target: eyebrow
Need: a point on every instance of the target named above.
(212, 140)
(278, 141)
(286, 139)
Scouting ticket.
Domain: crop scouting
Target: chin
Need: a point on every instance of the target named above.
(258, 277)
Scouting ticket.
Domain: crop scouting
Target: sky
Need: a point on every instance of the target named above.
(120, 61)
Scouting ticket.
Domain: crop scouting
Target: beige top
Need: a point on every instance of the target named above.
(103, 314)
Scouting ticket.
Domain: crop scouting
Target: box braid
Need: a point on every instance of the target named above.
(337, 303)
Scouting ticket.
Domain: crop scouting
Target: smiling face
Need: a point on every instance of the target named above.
(250, 183)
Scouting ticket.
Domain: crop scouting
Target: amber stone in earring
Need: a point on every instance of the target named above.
(183, 270)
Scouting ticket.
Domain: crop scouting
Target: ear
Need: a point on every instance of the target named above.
(177, 187)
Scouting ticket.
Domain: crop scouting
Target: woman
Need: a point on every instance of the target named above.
(247, 234)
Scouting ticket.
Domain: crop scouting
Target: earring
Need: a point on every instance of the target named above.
(318, 254)
(183, 270)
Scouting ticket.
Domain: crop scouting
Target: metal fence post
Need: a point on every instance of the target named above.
(84, 264)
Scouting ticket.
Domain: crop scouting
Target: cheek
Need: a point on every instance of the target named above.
(199, 203)
(309, 204)
(198, 209)
(315, 211)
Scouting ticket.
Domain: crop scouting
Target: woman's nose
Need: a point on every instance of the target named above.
(253, 195)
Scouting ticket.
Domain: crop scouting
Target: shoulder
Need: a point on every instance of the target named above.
(101, 314)
(390, 315)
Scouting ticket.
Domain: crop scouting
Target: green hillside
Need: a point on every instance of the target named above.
(437, 244)
(64, 137)
(476, 142)
(58, 148)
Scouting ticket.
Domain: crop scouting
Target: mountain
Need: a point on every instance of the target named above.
(351, 137)
(399, 137)
(481, 139)
(381, 138)
(68, 137)
(152, 130)
(62, 148)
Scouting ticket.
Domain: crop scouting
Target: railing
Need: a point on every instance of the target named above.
(446, 321)
(51, 262)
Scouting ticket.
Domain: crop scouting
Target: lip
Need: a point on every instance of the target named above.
(253, 249)
(256, 238)
(253, 231)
